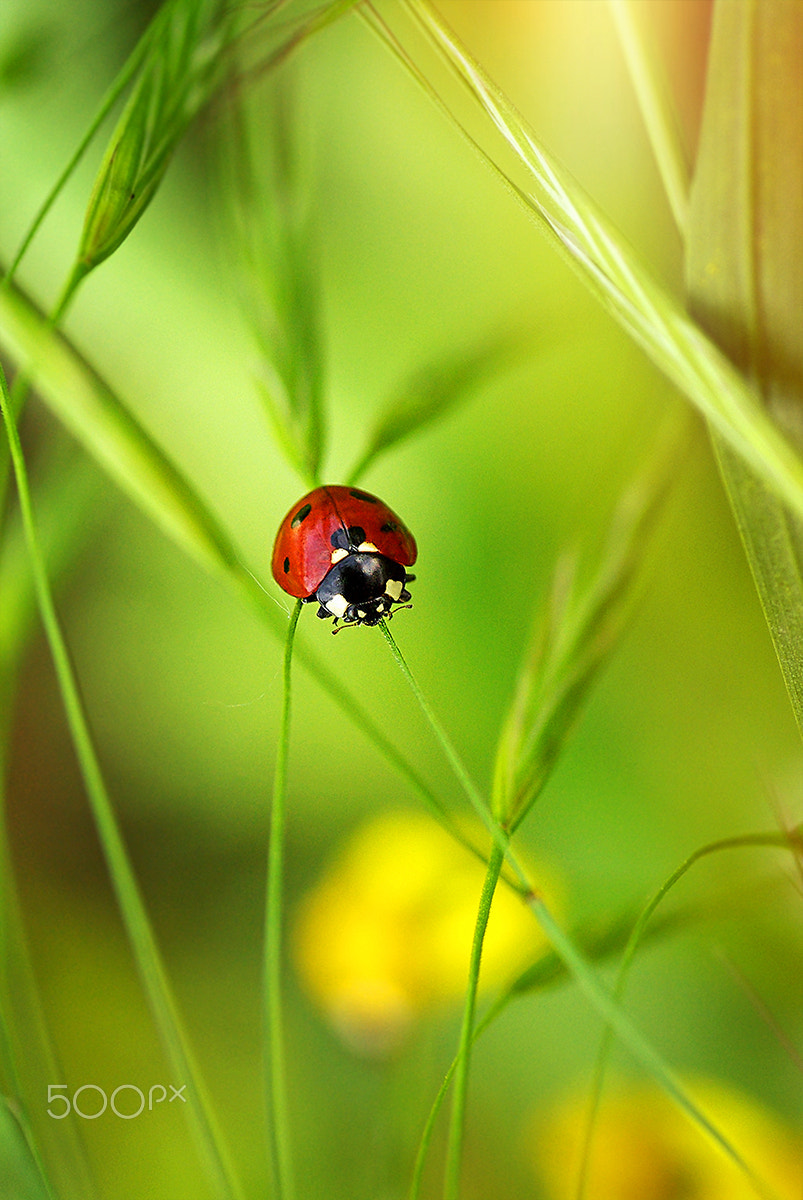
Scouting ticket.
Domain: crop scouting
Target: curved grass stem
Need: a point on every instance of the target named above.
(499, 835)
(275, 1072)
(454, 1151)
(132, 907)
(775, 839)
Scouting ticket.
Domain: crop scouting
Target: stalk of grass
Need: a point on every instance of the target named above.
(276, 1075)
(637, 933)
(138, 929)
(615, 1017)
(500, 837)
(548, 970)
(657, 109)
(600, 255)
(67, 497)
(454, 1150)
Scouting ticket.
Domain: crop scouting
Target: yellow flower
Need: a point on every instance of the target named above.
(386, 933)
(646, 1148)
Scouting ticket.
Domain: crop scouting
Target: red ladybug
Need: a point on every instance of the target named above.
(346, 549)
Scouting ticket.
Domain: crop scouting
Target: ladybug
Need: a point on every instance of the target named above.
(345, 549)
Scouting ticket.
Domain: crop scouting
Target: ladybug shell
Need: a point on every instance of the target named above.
(303, 550)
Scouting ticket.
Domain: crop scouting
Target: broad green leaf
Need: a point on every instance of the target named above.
(429, 394)
(602, 257)
(745, 278)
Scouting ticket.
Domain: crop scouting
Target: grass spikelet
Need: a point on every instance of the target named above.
(270, 228)
(571, 642)
(185, 64)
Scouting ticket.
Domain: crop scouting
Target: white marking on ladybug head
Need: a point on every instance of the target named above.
(337, 605)
(368, 546)
(361, 614)
(393, 588)
(337, 555)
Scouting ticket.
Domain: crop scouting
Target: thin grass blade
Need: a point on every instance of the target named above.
(615, 1016)
(600, 255)
(638, 931)
(212, 1150)
(745, 279)
(95, 417)
(429, 394)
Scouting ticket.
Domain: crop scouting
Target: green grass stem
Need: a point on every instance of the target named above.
(276, 1073)
(616, 1018)
(732, 843)
(123, 880)
(657, 110)
(499, 836)
(454, 1150)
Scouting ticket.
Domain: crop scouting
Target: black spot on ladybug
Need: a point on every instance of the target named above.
(389, 527)
(358, 495)
(340, 539)
(356, 535)
(300, 516)
(287, 566)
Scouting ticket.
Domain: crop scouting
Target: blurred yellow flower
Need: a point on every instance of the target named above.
(646, 1148)
(386, 932)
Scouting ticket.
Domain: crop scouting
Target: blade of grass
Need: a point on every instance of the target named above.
(454, 1149)
(127, 891)
(548, 969)
(67, 492)
(276, 1071)
(615, 1017)
(603, 259)
(628, 956)
(500, 837)
(745, 279)
(657, 109)
(430, 393)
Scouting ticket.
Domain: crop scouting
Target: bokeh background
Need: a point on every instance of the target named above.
(688, 736)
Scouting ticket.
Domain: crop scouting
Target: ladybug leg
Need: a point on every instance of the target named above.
(323, 613)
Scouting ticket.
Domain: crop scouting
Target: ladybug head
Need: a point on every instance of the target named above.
(361, 588)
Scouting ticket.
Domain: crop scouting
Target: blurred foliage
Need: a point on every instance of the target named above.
(645, 1149)
(418, 254)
